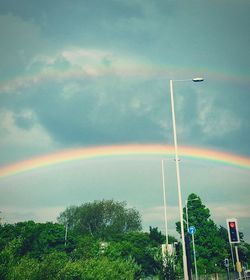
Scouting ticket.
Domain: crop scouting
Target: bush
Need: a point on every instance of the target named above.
(101, 269)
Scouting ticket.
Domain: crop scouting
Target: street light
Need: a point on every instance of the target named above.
(178, 171)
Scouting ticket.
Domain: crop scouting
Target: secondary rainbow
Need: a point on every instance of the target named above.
(124, 69)
(123, 151)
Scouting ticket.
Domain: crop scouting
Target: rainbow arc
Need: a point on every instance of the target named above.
(124, 151)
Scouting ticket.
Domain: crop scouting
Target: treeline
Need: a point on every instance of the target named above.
(99, 240)
(104, 240)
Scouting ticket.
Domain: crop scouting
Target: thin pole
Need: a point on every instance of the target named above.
(178, 184)
(187, 215)
(238, 261)
(195, 265)
(232, 255)
(164, 199)
(66, 234)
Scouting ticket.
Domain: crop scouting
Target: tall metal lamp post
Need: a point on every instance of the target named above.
(178, 172)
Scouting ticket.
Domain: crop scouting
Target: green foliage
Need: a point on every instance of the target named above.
(26, 268)
(51, 264)
(36, 251)
(86, 247)
(211, 242)
(106, 269)
(101, 219)
(101, 268)
(71, 271)
(156, 236)
(139, 247)
(168, 271)
(35, 239)
(9, 257)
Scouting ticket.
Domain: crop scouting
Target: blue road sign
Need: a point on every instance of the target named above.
(191, 230)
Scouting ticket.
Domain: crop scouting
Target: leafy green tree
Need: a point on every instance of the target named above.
(35, 239)
(86, 247)
(51, 264)
(138, 246)
(156, 236)
(102, 219)
(26, 269)
(72, 271)
(104, 269)
(99, 268)
(211, 248)
(9, 257)
(167, 269)
(42, 239)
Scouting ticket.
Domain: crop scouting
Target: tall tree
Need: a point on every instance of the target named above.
(102, 219)
(211, 248)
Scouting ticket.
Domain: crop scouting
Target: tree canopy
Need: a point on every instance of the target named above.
(211, 241)
(105, 241)
(102, 219)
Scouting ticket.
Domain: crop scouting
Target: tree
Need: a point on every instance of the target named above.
(86, 247)
(211, 248)
(156, 236)
(9, 256)
(101, 268)
(26, 269)
(51, 264)
(139, 247)
(101, 219)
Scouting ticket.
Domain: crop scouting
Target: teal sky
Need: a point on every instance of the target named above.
(89, 73)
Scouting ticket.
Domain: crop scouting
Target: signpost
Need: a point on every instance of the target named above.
(192, 230)
(226, 263)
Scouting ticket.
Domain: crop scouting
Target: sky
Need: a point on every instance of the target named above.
(91, 74)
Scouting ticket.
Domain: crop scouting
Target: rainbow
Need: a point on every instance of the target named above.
(124, 151)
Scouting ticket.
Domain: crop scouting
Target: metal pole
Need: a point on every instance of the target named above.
(237, 261)
(66, 234)
(187, 215)
(228, 275)
(232, 255)
(164, 199)
(195, 265)
(178, 184)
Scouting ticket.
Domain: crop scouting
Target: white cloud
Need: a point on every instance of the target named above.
(13, 135)
(79, 63)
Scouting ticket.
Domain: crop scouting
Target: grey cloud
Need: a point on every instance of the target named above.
(115, 110)
(20, 41)
(97, 112)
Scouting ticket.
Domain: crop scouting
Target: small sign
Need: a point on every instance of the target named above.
(191, 230)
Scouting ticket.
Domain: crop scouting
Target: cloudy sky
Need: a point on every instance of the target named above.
(86, 73)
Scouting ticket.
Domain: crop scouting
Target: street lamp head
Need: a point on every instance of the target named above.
(196, 80)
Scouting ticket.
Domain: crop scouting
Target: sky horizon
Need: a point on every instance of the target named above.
(89, 74)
